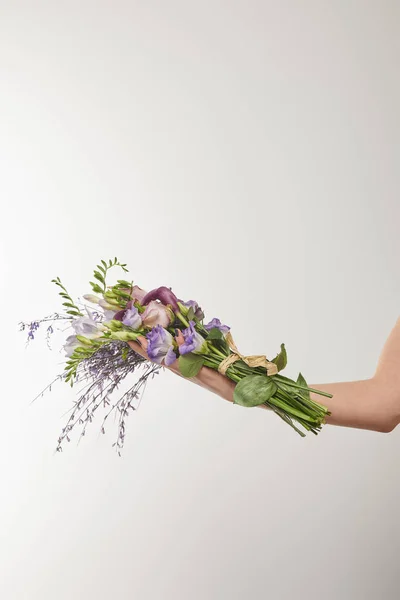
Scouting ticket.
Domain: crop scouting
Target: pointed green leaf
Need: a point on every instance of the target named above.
(281, 359)
(301, 381)
(99, 276)
(96, 288)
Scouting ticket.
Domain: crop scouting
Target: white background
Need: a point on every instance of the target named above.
(246, 154)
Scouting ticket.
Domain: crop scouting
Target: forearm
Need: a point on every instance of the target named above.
(368, 404)
(373, 403)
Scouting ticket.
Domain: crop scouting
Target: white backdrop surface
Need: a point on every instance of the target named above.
(246, 154)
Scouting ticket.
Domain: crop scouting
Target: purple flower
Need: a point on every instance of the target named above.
(164, 295)
(132, 318)
(198, 313)
(160, 346)
(194, 342)
(216, 324)
(32, 328)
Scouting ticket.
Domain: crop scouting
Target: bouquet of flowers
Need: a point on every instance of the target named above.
(100, 351)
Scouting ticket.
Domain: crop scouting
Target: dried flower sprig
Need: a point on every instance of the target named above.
(103, 373)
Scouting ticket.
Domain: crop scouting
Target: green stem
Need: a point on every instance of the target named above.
(182, 318)
(292, 384)
(216, 351)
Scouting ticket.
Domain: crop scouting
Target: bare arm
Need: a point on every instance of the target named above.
(370, 404)
(373, 403)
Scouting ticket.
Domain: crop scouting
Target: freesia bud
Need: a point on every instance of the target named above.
(92, 298)
(124, 336)
(107, 305)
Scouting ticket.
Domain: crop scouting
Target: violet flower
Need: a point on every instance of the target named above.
(132, 318)
(198, 313)
(120, 315)
(216, 324)
(194, 342)
(164, 295)
(160, 346)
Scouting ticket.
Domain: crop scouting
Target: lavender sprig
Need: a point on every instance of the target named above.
(103, 372)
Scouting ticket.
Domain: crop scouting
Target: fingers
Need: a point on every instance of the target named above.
(136, 347)
(206, 378)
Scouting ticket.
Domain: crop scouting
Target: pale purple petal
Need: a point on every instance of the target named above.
(216, 324)
(132, 318)
(194, 342)
(170, 357)
(160, 341)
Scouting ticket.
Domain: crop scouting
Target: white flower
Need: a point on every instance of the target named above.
(85, 326)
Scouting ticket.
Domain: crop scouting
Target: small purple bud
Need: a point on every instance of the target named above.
(119, 315)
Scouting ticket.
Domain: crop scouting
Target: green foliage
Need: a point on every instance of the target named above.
(217, 340)
(215, 334)
(281, 359)
(73, 310)
(254, 390)
(301, 381)
(81, 353)
(190, 314)
(100, 274)
(190, 364)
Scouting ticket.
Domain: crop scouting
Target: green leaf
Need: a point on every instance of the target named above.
(99, 276)
(74, 313)
(301, 381)
(190, 364)
(281, 359)
(103, 262)
(254, 390)
(222, 345)
(215, 334)
(190, 315)
(96, 288)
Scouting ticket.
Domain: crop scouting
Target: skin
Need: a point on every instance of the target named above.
(372, 404)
